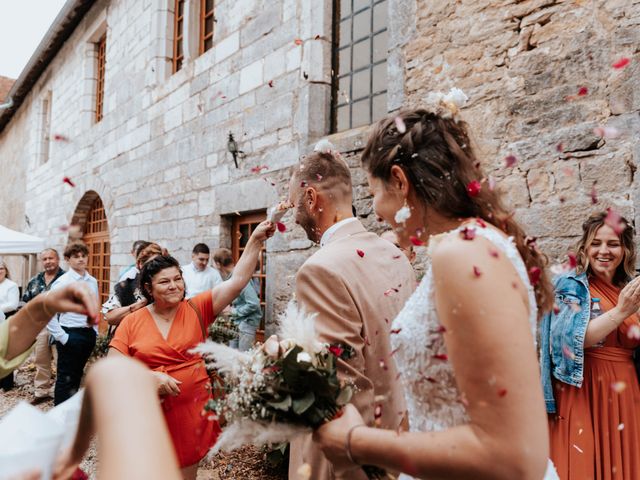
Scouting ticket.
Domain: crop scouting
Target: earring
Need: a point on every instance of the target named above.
(403, 214)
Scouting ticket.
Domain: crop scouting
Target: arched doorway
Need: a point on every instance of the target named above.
(91, 217)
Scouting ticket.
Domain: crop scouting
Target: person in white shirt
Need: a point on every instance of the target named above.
(131, 271)
(198, 275)
(9, 300)
(74, 336)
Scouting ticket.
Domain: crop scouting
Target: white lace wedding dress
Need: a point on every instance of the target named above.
(433, 399)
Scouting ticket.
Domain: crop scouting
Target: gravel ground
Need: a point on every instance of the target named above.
(245, 464)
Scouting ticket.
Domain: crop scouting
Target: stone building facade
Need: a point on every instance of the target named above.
(158, 157)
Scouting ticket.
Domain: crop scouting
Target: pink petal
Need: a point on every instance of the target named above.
(473, 188)
(510, 160)
(298, 41)
(400, 126)
(68, 181)
(534, 275)
(582, 91)
(468, 233)
(623, 62)
(614, 220)
(281, 227)
(476, 271)
(360, 253)
(416, 241)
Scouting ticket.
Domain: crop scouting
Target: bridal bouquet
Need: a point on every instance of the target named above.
(286, 387)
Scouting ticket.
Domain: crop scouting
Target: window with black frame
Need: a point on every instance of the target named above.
(360, 49)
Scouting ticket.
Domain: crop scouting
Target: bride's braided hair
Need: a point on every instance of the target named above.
(436, 155)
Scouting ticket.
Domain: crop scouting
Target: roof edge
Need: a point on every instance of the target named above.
(59, 32)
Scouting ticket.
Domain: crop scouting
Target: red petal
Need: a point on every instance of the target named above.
(441, 356)
(336, 350)
(510, 160)
(281, 227)
(395, 331)
(502, 392)
(623, 62)
(481, 223)
(614, 220)
(416, 241)
(573, 261)
(68, 181)
(560, 147)
(473, 188)
(476, 271)
(582, 91)
(298, 41)
(534, 275)
(556, 309)
(60, 138)
(468, 233)
(493, 252)
(360, 253)
(271, 83)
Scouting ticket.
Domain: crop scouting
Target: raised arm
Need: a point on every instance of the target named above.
(25, 325)
(491, 348)
(227, 291)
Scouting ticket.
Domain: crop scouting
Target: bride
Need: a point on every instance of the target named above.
(464, 341)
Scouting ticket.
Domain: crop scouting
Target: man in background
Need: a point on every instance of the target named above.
(42, 282)
(198, 275)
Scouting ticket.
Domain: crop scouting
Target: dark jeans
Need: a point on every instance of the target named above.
(72, 357)
(7, 383)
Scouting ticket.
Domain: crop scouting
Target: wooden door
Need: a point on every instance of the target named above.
(242, 228)
(96, 237)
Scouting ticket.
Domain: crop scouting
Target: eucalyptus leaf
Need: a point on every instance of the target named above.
(300, 405)
(283, 405)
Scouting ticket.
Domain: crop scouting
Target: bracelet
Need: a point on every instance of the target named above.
(347, 443)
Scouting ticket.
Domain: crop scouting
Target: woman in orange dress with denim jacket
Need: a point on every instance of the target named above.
(594, 392)
(162, 335)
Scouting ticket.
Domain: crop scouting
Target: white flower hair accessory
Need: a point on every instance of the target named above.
(324, 146)
(446, 105)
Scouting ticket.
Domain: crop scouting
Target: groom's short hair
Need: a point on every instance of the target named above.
(324, 171)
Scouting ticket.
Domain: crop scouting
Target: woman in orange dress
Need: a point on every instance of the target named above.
(595, 433)
(162, 334)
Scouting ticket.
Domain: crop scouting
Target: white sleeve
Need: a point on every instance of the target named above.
(53, 326)
(11, 301)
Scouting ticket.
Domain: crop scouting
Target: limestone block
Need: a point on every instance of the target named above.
(266, 20)
(251, 76)
(227, 46)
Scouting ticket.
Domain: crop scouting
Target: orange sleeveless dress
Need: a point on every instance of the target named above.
(595, 434)
(193, 433)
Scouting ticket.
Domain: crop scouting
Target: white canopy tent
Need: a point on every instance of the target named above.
(23, 245)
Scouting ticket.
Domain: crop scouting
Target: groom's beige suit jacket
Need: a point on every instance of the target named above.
(356, 298)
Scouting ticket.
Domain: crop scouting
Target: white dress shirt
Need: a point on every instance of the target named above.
(9, 296)
(198, 281)
(329, 232)
(69, 319)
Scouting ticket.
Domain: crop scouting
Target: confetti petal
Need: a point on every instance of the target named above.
(582, 91)
(441, 356)
(510, 161)
(281, 227)
(468, 233)
(634, 332)
(620, 64)
(473, 188)
(606, 132)
(416, 241)
(258, 168)
(400, 126)
(618, 387)
(68, 181)
(360, 253)
(534, 275)
(567, 352)
(502, 392)
(476, 271)
(60, 138)
(298, 41)
(573, 260)
(270, 83)
(614, 220)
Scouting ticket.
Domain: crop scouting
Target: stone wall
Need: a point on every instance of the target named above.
(522, 63)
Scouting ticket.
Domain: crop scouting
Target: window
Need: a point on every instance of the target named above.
(96, 237)
(102, 54)
(178, 35)
(241, 229)
(206, 25)
(45, 139)
(359, 94)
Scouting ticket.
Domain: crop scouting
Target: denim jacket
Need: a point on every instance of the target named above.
(562, 334)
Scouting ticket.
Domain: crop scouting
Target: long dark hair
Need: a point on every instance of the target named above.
(436, 155)
(150, 269)
(627, 268)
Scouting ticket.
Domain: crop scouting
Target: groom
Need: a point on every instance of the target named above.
(357, 283)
